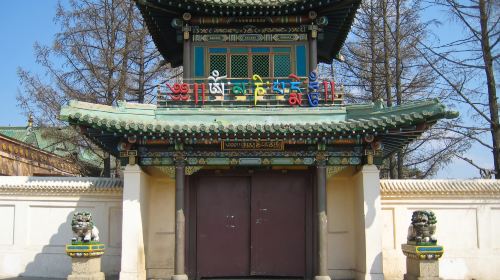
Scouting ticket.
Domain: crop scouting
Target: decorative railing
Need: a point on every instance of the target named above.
(218, 90)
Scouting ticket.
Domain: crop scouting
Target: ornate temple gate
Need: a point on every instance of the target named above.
(251, 97)
(251, 223)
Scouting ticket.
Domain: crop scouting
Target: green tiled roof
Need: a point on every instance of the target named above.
(36, 137)
(45, 139)
(113, 123)
(130, 117)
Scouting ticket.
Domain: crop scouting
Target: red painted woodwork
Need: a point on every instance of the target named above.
(223, 226)
(278, 224)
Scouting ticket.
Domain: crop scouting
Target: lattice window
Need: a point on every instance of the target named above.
(282, 65)
(239, 66)
(218, 62)
(260, 65)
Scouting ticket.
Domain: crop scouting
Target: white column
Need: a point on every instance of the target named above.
(133, 264)
(368, 216)
(180, 222)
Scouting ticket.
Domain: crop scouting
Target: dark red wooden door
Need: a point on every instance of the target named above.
(278, 231)
(252, 225)
(223, 226)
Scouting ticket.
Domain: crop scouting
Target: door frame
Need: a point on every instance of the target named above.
(191, 210)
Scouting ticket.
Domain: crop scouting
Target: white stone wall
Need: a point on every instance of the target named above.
(469, 230)
(35, 230)
(36, 226)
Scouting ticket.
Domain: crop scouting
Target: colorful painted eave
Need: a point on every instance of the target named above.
(144, 118)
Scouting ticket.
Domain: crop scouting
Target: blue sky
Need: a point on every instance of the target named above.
(22, 23)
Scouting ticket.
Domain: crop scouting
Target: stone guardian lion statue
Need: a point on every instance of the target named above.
(422, 228)
(83, 227)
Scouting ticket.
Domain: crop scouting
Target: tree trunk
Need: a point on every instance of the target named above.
(373, 58)
(392, 168)
(111, 35)
(490, 79)
(122, 84)
(400, 159)
(399, 95)
(142, 74)
(387, 72)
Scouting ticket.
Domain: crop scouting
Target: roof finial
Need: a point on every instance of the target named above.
(30, 120)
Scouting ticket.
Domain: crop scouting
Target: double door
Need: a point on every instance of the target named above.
(253, 225)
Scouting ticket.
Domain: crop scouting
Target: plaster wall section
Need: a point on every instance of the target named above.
(341, 239)
(161, 231)
(146, 183)
(36, 228)
(468, 228)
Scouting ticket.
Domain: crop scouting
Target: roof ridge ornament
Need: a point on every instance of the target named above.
(379, 104)
(121, 103)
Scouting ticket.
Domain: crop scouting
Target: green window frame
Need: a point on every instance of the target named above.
(282, 65)
(239, 66)
(261, 64)
(244, 61)
(218, 62)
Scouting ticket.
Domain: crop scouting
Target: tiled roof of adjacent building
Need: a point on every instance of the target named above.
(54, 140)
(36, 137)
(59, 185)
(440, 188)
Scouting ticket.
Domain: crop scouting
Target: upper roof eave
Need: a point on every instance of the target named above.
(159, 14)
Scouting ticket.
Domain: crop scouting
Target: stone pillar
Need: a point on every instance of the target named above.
(368, 224)
(180, 220)
(133, 265)
(322, 230)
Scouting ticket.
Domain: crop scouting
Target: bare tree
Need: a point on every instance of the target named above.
(466, 67)
(382, 62)
(102, 54)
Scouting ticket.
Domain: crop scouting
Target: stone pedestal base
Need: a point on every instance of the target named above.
(322, 277)
(422, 269)
(422, 262)
(180, 277)
(86, 269)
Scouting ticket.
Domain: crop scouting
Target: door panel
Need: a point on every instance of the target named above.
(278, 231)
(223, 226)
(252, 225)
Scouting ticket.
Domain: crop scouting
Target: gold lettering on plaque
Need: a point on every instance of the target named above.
(253, 145)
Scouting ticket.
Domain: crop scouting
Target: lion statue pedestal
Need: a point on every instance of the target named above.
(421, 250)
(85, 249)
